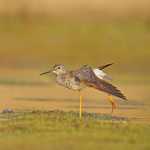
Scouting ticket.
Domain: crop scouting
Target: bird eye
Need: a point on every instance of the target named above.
(58, 67)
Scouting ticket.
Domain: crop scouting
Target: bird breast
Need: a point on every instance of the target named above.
(68, 82)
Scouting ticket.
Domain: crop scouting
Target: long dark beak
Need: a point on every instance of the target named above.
(45, 72)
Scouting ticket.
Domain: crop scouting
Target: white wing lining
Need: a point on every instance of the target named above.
(101, 74)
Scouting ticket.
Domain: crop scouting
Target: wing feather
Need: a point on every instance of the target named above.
(87, 76)
(102, 75)
(104, 66)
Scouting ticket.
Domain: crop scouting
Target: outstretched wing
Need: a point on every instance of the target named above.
(104, 66)
(101, 74)
(87, 76)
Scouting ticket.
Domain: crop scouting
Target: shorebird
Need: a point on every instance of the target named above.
(83, 77)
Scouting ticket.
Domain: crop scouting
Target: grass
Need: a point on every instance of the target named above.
(63, 130)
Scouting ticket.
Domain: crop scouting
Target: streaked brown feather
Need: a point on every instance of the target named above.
(106, 87)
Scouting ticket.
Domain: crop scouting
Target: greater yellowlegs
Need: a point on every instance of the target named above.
(85, 77)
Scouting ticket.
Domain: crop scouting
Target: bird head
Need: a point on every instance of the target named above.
(56, 69)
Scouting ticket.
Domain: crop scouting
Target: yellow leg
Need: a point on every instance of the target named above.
(113, 103)
(81, 99)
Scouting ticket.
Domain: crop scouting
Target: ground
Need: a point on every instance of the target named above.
(46, 116)
(63, 130)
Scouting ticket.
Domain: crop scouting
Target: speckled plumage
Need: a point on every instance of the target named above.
(83, 77)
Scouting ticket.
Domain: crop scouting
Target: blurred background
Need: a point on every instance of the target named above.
(35, 34)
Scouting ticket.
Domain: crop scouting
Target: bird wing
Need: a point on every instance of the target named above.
(104, 66)
(101, 74)
(86, 75)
